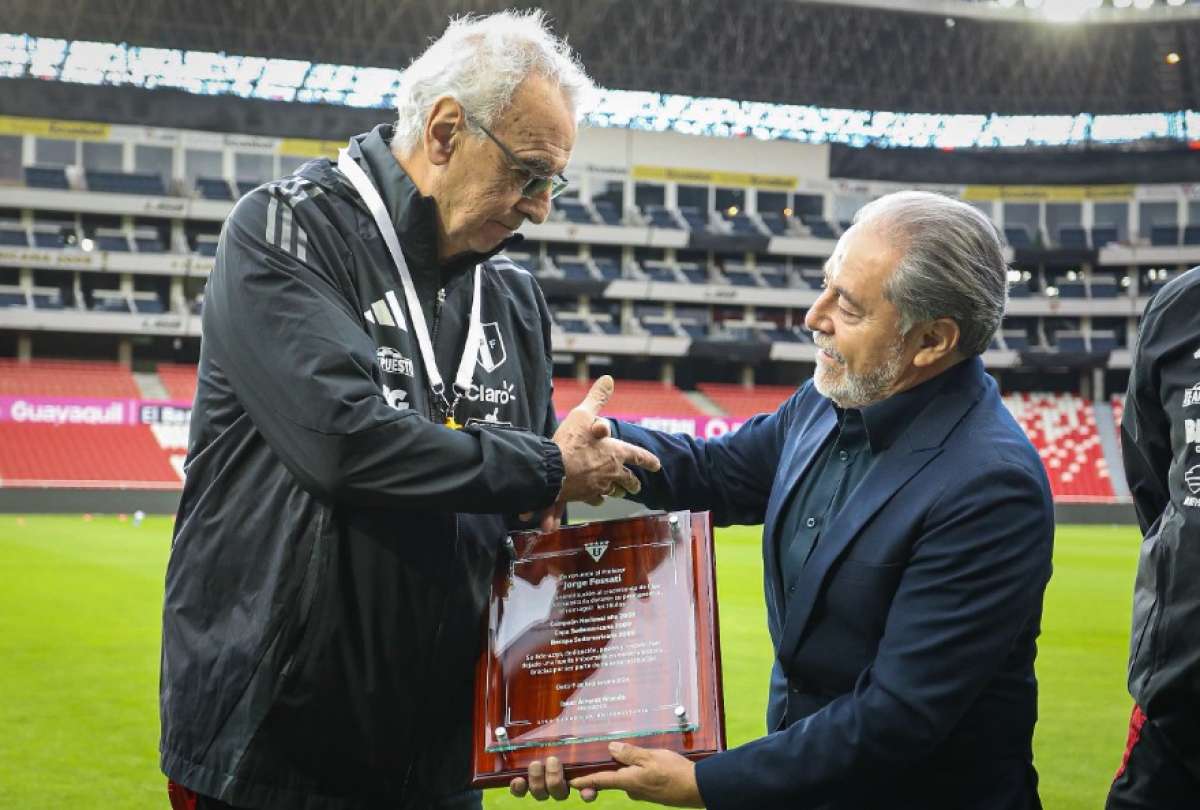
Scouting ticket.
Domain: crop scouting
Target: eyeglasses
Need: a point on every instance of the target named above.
(537, 183)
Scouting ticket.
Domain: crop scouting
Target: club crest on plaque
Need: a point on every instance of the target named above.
(596, 549)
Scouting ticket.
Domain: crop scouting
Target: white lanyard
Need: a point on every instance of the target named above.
(466, 365)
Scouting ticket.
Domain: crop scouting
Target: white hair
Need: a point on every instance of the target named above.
(480, 62)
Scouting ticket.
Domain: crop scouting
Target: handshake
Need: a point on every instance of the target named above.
(594, 463)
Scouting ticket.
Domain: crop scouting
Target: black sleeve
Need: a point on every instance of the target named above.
(288, 334)
(1165, 367)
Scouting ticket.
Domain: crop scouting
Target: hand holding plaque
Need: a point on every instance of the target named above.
(600, 632)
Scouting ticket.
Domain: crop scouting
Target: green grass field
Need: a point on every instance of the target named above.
(79, 634)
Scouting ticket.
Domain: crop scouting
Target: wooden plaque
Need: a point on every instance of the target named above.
(599, 632)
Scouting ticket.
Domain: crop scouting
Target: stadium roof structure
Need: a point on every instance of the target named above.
(938, 56)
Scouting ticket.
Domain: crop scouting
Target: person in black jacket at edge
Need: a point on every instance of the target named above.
(1160, 442)
(373, 415)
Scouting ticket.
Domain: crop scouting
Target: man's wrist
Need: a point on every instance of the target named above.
(555, 471)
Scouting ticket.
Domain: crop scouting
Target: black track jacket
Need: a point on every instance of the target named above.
(1160, 433)
(335, 543)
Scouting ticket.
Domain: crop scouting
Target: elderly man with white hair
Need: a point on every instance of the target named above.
(373, 414)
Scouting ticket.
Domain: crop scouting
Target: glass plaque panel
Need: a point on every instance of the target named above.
(600, 632)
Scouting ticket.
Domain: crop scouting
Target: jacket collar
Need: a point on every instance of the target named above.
(415, 216)
(888, 419)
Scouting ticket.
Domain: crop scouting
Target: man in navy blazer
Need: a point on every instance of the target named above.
(907, 532)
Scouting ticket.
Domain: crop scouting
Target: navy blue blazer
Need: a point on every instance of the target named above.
(903, 675)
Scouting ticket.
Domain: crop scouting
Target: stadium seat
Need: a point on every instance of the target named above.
(206, 244)
(1063, 429)
(1104, 288)
(606, 324)
(695, 218)
(630, 398)
(12, 234)
(658, 216)
(48, 298)
(609, 269)
(65, 378)
(773, 276)
(743, 224)
(694, 273)
(111, 239)
(818, 227)
(660, 272)
(694, 329)
(179, 380)
(46, 177)
(1015, 339)
(814, 277)
(214, 188)
(1164, 235)
(659, 328)
(125, 182)
(1072, 236)
(1072, 289)
(775, 221)
(1070, 340)
(607, 211)
(148, 240)
(147, 303)
(84, 455)
(575, 269)
(11, 296)
(1018, 236)
(574, 211)
(781, 334)
(1103, 340)
(741, 277)
(575, 325)
(1191, 235)
(1104, 235)
(741, 402)
(109, 301)
(46, 235)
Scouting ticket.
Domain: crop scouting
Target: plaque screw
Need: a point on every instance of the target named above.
(502, 734)
(681, 715)
(673, 521)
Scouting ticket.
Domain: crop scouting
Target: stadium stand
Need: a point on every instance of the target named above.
(84, 455)
(213, 188)
(66, 378)
(179, 380)
(741, 402)
(125, 182)
(1063, 429)
(630, 397)
(54, 177)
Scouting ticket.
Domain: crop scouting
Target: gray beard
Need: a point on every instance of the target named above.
(859, 390)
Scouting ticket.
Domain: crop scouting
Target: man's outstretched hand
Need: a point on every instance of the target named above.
(594, 463)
